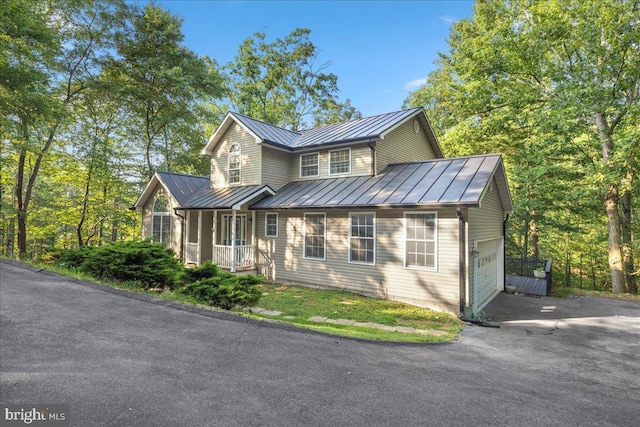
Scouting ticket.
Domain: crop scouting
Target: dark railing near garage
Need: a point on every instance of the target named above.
(524, 267)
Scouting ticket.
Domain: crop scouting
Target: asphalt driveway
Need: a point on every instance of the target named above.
(119, 360)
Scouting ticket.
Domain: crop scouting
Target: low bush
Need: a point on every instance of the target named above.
(206, 270)
(147, 263)
(225, 290)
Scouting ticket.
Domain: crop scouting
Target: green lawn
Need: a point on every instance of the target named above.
(298, 304)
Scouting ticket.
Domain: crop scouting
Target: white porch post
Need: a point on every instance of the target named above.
(199, 237)
(233, 242)
(213, 236)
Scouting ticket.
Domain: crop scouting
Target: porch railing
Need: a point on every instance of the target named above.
(222, 256)
(191, 255)
(523, 267)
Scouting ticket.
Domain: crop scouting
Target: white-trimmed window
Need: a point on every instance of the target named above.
(271, 224)
(362, 238)
(420, 240)
(309, 165)
(161, 221)
(340, 161)
(315, 236)
(235, 163)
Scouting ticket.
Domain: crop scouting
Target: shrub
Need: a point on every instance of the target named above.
(225, 290)
(147, 263)
(206, 270)
(73, 258)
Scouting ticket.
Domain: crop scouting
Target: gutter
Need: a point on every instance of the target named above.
(182, 231)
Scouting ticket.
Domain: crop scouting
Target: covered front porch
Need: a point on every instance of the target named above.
(218, 226)
(226, 238)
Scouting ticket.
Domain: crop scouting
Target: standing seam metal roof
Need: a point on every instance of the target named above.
(182, 186)
(349, 131)
(444, 182)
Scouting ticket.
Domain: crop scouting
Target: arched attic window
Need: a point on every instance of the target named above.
(161, 222)
(235, 163)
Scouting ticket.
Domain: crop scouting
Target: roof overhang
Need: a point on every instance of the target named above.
(228, 120)
(216, 200)
(426, 125)
(500, 176)
(148, 190)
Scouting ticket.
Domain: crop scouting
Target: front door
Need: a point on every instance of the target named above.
(241, 230)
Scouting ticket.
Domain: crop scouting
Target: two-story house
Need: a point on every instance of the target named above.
(370, 205)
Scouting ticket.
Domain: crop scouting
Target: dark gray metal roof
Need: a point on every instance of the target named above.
(224, 198)
(439, 182)
(182, 186)
(268, 132)
(355, 130)
(362, 129)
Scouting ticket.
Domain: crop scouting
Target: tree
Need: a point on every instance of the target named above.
(561, 79)
(164, 86)
(282, 84)
(53, 54)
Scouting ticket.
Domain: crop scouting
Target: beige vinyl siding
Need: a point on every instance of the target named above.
(403, 145)
(485, 223)
(147, 215)
(275, 167)
(281, 259)
(206, 243)
(251, 169)
(360, 163)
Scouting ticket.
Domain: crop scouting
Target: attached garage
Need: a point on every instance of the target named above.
(488, 272)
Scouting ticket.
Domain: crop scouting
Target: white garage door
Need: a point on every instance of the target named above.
(487, 277)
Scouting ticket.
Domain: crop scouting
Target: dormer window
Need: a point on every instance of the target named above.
(309, 165)
(340, 161)
(235, 163)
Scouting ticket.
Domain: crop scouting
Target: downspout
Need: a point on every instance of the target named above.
(462, 233)
(504, 250)
(175, 211)
(372, 146)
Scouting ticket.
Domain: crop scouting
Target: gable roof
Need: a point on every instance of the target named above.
(225, 198)
(455, 182)
(359, 130)
(180, 186)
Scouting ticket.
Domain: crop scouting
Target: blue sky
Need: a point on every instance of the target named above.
(380, 50)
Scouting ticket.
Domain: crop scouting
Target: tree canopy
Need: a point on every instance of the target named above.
(554, 86)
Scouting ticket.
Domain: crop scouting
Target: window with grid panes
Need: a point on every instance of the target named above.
(271, 225)
(420, 242)
(309, 165)
(362, 238)
(340, 161)
(315, 236)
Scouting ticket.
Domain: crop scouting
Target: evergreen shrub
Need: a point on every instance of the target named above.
(225, 290)
(144, 262)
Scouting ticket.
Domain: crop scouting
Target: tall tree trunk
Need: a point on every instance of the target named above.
(627, 244)
(533, 238)
(611, 207)
(615, 250)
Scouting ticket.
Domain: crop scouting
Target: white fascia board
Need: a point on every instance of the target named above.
(215, 138)
(267, 189)
(153, 182)
(400, 123)
(502, 186)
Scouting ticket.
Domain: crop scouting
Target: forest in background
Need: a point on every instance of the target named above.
(97, 95)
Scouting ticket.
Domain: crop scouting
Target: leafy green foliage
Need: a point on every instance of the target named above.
(280, 83)
(147, 263)
(225, 290)
(554, 87)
